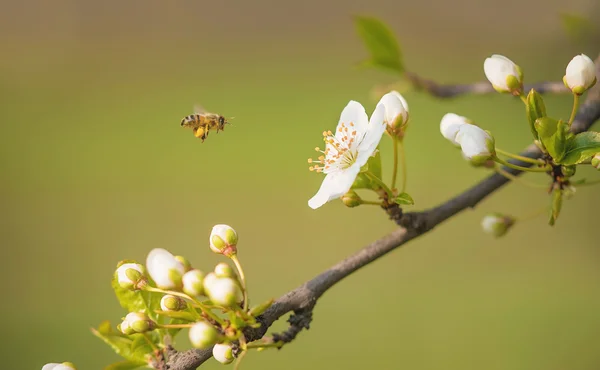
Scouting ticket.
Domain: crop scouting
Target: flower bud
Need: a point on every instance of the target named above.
(224, 270)
(172, 303)
(497, 224)
(351, 199)
(187, 266)
(223, 353)
(223, 240)
(139, 322)
(125, 328)
(164, 269)
(450, 124)
(223, 291)
(131, 276)
(57, 366)
(504, 75)
(596, 161)
(203, 335)
(568, 171)
(580, 74)
(477, 145)
(192, 283)
(396, 113)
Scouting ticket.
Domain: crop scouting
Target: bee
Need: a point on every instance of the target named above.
(202, 122)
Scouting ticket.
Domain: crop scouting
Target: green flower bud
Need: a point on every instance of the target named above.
(203, 335)
(596, 161)
(351, 199)
(224, 270)
(497, 224)
(130, 276)
(224, 292)
(192, 283)
(187, 266)
(139, 322)
(223, 240)
(568, 171)
(172, 303)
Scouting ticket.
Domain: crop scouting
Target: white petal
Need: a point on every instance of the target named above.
(450, 124)
(354, 113)
(377, 126)
(497, 68)
(159, 263)
(395, 105)
(50, 366)
(580, 72)
(334, 185)
(473, 141)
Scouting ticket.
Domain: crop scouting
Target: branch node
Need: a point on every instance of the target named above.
(299, 320)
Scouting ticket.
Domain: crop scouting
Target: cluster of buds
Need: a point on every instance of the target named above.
(190, 296)
(477, 145)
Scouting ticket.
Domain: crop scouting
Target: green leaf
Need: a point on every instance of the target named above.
(535, 110)
(136, 300)
(381, 43)
(556, 205)
(118, 341)
(124, 365)
(140, 348)
(582, 147)
(374, 166)
(554, 135)
(404, 199)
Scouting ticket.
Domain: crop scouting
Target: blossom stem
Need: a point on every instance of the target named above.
(519, 157)
(523, 98)
(199, 304)
(372, 202)
(395, 171)
(531, 215)
(403, 164)
(175, 326)
(378, 181)
(524, 169)
(574, 110)
(238, 265)
(244, 347)
(512, 177)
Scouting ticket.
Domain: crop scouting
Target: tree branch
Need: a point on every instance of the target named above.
(412, 225)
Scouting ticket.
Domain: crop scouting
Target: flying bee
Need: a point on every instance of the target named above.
(202, 122)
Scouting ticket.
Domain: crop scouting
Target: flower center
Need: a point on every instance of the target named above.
(340, 150)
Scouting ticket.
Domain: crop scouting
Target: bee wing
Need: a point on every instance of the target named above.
(199, 109)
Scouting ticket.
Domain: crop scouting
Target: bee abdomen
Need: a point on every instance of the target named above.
(191, 119)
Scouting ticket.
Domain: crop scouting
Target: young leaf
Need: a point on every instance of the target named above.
(582, 147)
(379, 39)
(140, 348)
(124, 365)
(554, 135)
(118, 341)
(576, 26)
(374, 166)
(404, 199)
(535, 110)
(556, 205)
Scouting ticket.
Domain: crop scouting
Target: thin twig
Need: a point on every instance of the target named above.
(413, 225)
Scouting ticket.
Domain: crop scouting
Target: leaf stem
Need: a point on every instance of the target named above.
(175, 326)
(574, 110)
(378, 181)
(514, 166)
(238, 265)
(519, 157)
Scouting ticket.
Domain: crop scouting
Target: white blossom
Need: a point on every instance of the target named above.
(396, 110)
(450, 124)
(164, 268)
(580, 74)
(476, 144)
(354, 142)
(503, 74)
(192, 282)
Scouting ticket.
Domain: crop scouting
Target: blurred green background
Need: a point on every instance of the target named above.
(95, 169)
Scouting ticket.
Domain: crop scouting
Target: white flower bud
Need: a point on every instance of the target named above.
(496, 224)
(223, 353)
(192, 283)
(503, 74)
(477, 145)
(580, 74)
(130, 275)
(450, 124)
(222, 291)
(596, 161)
(139, 322)
(172, 303)
(396, 112)
(57, 366)
(203, 335)
(224, 270)
(223, 240)
(187, 266)
(164, 269)
(125, 328)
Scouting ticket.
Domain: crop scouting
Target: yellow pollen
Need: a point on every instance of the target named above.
(329, 133)
(317, 149)
(352, 124)
(353, 133)
(310, 160)
(321, 158)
